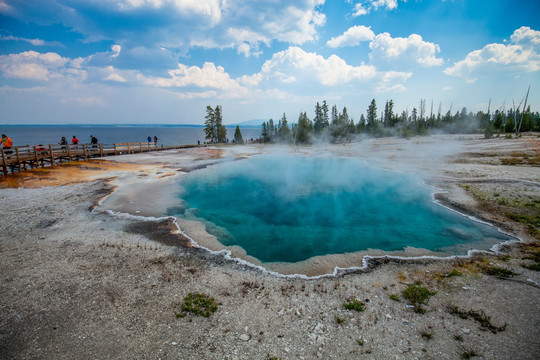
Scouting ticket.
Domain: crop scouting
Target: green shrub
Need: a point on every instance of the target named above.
(197, 304)
(417, 295)
(354, 305)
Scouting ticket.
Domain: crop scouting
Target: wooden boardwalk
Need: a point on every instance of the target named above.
(21, 158)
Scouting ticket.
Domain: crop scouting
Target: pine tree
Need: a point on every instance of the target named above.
(371, 125)
(326, 121)
(284, 132)
(304, 129)
(214, 129)
(210, 122)
(318, 121)
(238, 135)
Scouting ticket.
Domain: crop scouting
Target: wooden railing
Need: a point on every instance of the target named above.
(21, 158)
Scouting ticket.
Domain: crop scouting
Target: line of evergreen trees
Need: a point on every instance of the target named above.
(334, 126)
(214, 129)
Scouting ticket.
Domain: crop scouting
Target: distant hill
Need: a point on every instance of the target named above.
(254, 122)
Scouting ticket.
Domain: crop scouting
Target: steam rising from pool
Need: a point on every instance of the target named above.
(289, 208)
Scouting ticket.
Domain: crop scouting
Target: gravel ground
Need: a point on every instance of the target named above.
(78, 283)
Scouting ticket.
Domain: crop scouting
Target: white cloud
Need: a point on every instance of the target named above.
(209, 9)
(246, 40)
(116, 50)
(115, 77)
(5, 8)
(293, 24)
(35, 42)
(198, 95)
(522, 54)
(297, 63)
(31, 65)
(364, 7)
(352, 37)
(392, 81)
(209, 76)
(403, 49)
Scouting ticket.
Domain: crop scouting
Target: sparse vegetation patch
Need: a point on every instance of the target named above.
(479, 316)
(197, 304)
(417, 295)
(499, 271)
(355, 305)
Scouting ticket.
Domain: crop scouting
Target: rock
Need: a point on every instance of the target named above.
(388, 316)
(319, 328)
(466, 330)
(245, 337)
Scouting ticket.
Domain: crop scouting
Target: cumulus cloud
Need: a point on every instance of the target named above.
(352, 37)
(405, 49)
(294, 24)
(294, 62)
(522, 54)
(209, 76)
(31, 65)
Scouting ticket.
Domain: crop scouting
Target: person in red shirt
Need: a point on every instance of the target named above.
(74, 141)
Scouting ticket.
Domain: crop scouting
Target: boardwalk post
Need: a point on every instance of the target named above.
(115, 153)
(36, 156)
(52, 155)
(129, 152)
(4, 162)
(140, 147)
(101, 150)
(18, 158)
(69, 152)
(84, 152)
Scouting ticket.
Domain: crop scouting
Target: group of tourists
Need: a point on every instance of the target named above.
(7, 143)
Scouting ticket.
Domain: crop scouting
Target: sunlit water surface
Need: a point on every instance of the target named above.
(290, 208)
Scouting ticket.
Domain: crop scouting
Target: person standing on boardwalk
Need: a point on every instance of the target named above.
(63, 141)
(75, 142)
(7, 143)
(149, 139)
(93, 141)
(155, 140)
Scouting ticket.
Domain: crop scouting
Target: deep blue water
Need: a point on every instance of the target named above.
(167, 135)
(290, 208)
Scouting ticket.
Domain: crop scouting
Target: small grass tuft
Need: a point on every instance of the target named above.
(426, 334)
(468, 354)
(454, 272)
(197, 304)
(339, 320)
(458, 337)
(355, 305)
(417, 295)
(394, 297)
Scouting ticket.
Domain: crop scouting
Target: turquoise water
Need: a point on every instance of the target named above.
(290, 208)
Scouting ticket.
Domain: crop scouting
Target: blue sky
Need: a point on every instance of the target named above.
(164, 61)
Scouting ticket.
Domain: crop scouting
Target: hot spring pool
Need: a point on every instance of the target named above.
(284, 208)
